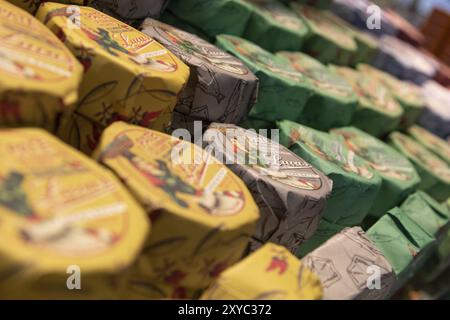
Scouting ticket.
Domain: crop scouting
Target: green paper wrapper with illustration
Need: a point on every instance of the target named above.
(274, 27)
(432, 142)
(328, 42)
(355, 184)
(399, 177)
(333, 101)
(404, 244)
(434, 172)
(283, 91)
(378, 113)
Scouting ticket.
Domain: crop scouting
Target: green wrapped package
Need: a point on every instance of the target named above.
(283, 91)
(432, 216)
(378, 113)
(213, 17)
(355, 184)
(407, 94)
(333, 102)
(432, 142)
(434, 172)
(169, 18)
(274, 27)
(399, 178)
(320, 4)
(257, 124)
(328, 42)
(325, 231)
(404, 244)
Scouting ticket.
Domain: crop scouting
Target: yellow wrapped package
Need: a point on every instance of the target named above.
(68, 228)
(128, 75)
(39, 76)
(270, 273)
(33, 5)
(202, 214)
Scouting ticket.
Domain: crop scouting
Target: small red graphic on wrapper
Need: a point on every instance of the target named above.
(278, 263)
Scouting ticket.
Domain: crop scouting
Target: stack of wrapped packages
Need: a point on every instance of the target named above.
(227, 149)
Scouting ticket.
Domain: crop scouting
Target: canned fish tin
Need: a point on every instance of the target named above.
(274, 27)
(280, 84)
(376, 104)
(270, 273)
(62, 214)
(221, 87)
(351, 174)
(39, 76)
(128, 75)
(280, 182)
(434, 172)
(202, 214)
(333, 101)
(399, 177)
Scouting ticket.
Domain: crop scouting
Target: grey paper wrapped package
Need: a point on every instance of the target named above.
(220, 88)
(290, 193)
(346, 264)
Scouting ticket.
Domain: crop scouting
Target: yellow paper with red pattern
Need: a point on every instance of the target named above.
(128, 75)
(39, 76)
(202, 214)
(58, 209)
(270, 273)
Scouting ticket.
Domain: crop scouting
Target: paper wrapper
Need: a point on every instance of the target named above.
(128, 75)
(434, 172)
(202, 214)
(399, 178)
(404, 244)
(168, 18)
(270, 273)
(221, 88)
(129, 11)
(407, 94)
(213, 17)
(324, 231)
(404, 61)
(376, 104)
(355, 183)
(290, 193)
(436, 116)
(432, 142)
(429, 214)
(345, 265)
(274, 27)
(329, 42)
(280, 84)
(39, 77)
(59, 209)
(333, 102)
(257, 124)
